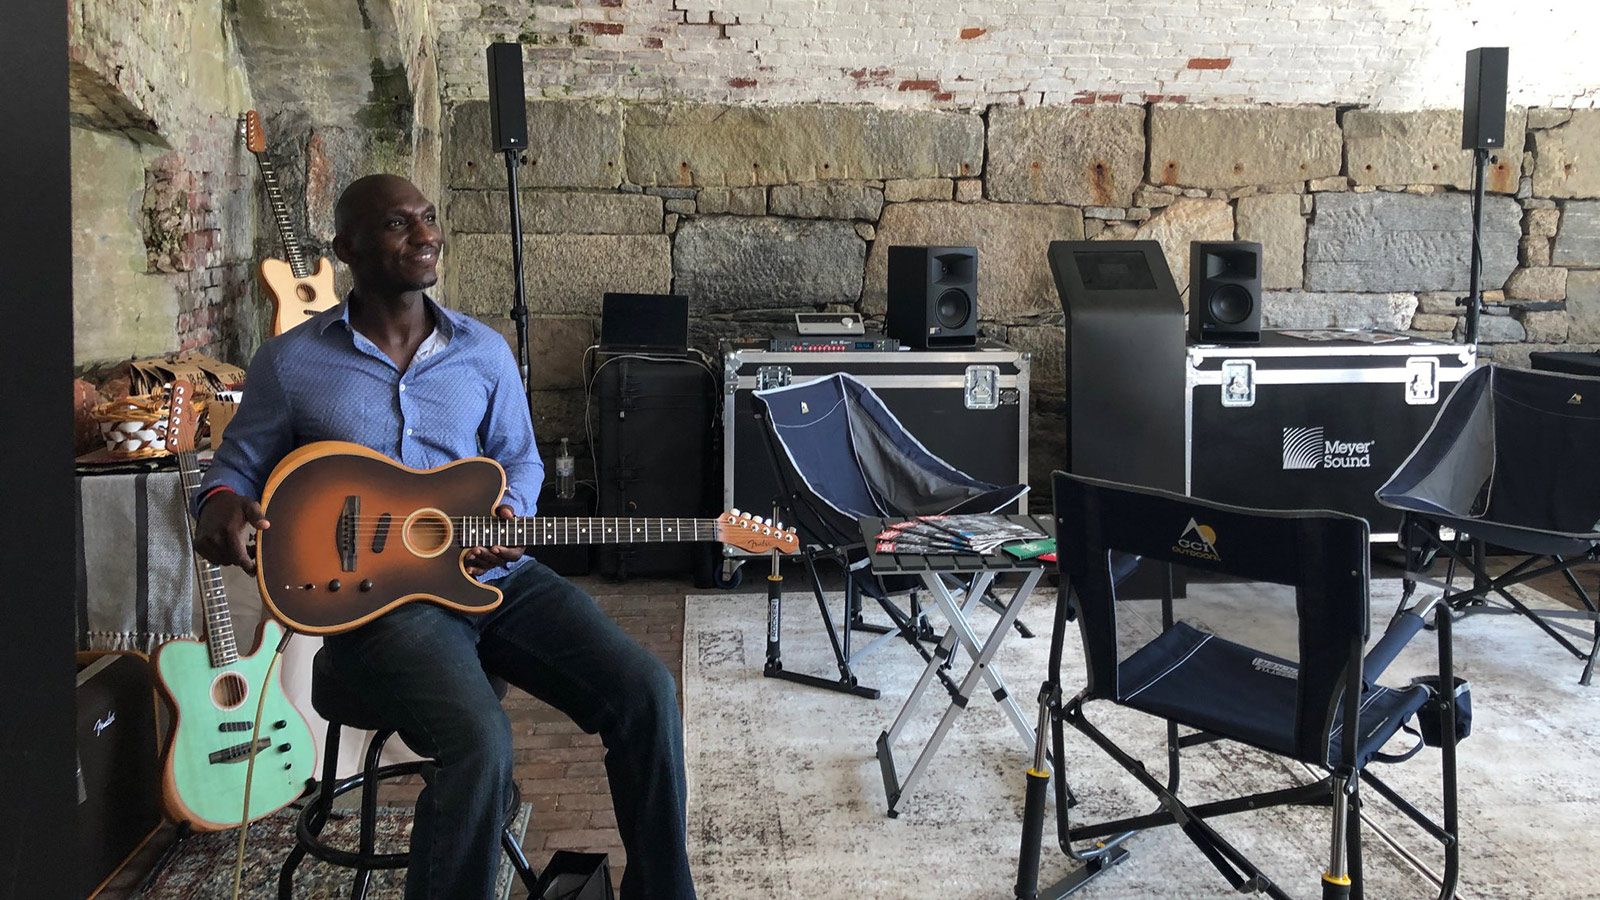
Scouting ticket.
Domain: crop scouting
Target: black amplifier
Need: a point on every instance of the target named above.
(791, 342)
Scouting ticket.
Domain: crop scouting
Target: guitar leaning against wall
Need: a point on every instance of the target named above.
(213, 689)
(298, 293)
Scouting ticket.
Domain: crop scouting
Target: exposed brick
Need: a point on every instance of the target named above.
(1205, 62)
(968, 34)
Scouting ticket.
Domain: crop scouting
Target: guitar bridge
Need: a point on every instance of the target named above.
(382, 535)
(346, 532)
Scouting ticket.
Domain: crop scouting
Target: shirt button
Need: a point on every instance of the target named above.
(408, 431)
(402, 387)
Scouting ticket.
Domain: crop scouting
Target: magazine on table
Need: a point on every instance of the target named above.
(967, 534)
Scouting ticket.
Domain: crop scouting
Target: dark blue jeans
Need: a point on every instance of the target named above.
(423, 668)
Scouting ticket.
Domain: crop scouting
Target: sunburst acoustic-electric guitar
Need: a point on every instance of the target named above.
(354, 534)
(214, 691)
(298, 293)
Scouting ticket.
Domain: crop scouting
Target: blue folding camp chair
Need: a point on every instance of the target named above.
(840, 455)
(1222, 690)
(1507, 464)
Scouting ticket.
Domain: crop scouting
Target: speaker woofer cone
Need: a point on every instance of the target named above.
(953, 309)
(1230, 304)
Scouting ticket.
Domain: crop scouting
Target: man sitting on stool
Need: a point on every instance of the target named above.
(394, 371)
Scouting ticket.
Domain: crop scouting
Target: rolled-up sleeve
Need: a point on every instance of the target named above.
(506, 435)
(260, 434)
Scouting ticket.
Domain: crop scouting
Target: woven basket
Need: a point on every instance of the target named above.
(134, 427)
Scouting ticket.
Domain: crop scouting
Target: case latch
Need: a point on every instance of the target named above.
(1238, 382)
(773, 376)
(1422, 380)
(982, 390)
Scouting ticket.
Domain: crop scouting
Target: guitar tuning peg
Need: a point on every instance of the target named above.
(734, 512)
(779, 526)
(744, 515)
(758, 520)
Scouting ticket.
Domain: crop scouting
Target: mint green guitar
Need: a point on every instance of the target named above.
(214, 691)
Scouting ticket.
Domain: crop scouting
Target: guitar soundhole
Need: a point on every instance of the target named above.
(427, 532)
(229, 690)
(305, 292)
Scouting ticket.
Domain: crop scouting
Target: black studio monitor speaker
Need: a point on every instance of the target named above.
(1224, 291)
(1483, 109)
(933, 296)
(508, 118)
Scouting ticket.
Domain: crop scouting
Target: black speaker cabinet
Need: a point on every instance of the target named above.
(119, 776)
(1224, 291)
(933, 296)
(1125, 371)
(508, 118)
(1483, 109)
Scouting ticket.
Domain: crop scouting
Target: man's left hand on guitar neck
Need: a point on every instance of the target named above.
(481, 559)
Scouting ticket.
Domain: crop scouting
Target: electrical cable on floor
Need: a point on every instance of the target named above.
(250, 766)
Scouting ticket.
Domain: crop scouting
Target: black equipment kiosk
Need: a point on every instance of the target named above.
(1125, 340)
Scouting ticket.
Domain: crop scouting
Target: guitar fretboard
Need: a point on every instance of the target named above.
(214, 597)
(487, 531)
(280, 215)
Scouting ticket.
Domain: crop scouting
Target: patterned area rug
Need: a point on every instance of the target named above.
(203, 867)
(786, 798)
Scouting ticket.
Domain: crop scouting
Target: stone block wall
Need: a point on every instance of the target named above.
(758, 212)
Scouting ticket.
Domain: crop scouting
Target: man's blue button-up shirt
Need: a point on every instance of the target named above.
(325, 381)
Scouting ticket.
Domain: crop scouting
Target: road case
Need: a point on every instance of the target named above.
(1313, 419)
(969, 407)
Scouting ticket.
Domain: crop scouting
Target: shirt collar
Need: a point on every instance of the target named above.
(444, 319)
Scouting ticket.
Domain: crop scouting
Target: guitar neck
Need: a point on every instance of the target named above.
(214, 597)
(280, 215)
(538, 531)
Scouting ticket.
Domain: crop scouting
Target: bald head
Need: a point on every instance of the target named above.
(369, 195)
(387, 232)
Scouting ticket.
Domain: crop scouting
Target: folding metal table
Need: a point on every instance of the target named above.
(944, 575)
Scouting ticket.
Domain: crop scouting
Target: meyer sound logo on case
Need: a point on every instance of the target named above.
(1306, 447)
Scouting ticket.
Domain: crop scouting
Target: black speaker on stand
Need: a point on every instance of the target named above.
(508, 124)
(1483, 128)
(933, 297)
(1224, 291)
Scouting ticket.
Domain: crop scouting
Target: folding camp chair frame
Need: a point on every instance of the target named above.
(821, 540)
(1446, 516)
(1101, 846)
(1424, 540)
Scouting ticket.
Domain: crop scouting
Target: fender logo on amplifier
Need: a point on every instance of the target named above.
(1306, 448)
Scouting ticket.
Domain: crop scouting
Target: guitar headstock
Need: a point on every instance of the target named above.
(754, 534)
(254, 140)
(183, 417)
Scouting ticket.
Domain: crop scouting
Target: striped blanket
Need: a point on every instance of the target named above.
(136, 579)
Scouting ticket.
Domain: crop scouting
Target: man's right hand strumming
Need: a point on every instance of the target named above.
(224, 528)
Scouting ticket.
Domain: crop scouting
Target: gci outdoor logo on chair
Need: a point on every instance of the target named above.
(1306, 448)
(1199, 541)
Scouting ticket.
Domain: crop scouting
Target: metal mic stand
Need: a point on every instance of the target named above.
(519, 302)
(1480, 165)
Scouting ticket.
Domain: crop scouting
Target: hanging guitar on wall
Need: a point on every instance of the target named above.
(297, 292)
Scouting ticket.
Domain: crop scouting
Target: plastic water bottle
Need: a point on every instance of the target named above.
(564, 473)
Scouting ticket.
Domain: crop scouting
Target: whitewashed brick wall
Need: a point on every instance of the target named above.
(1391, 54)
